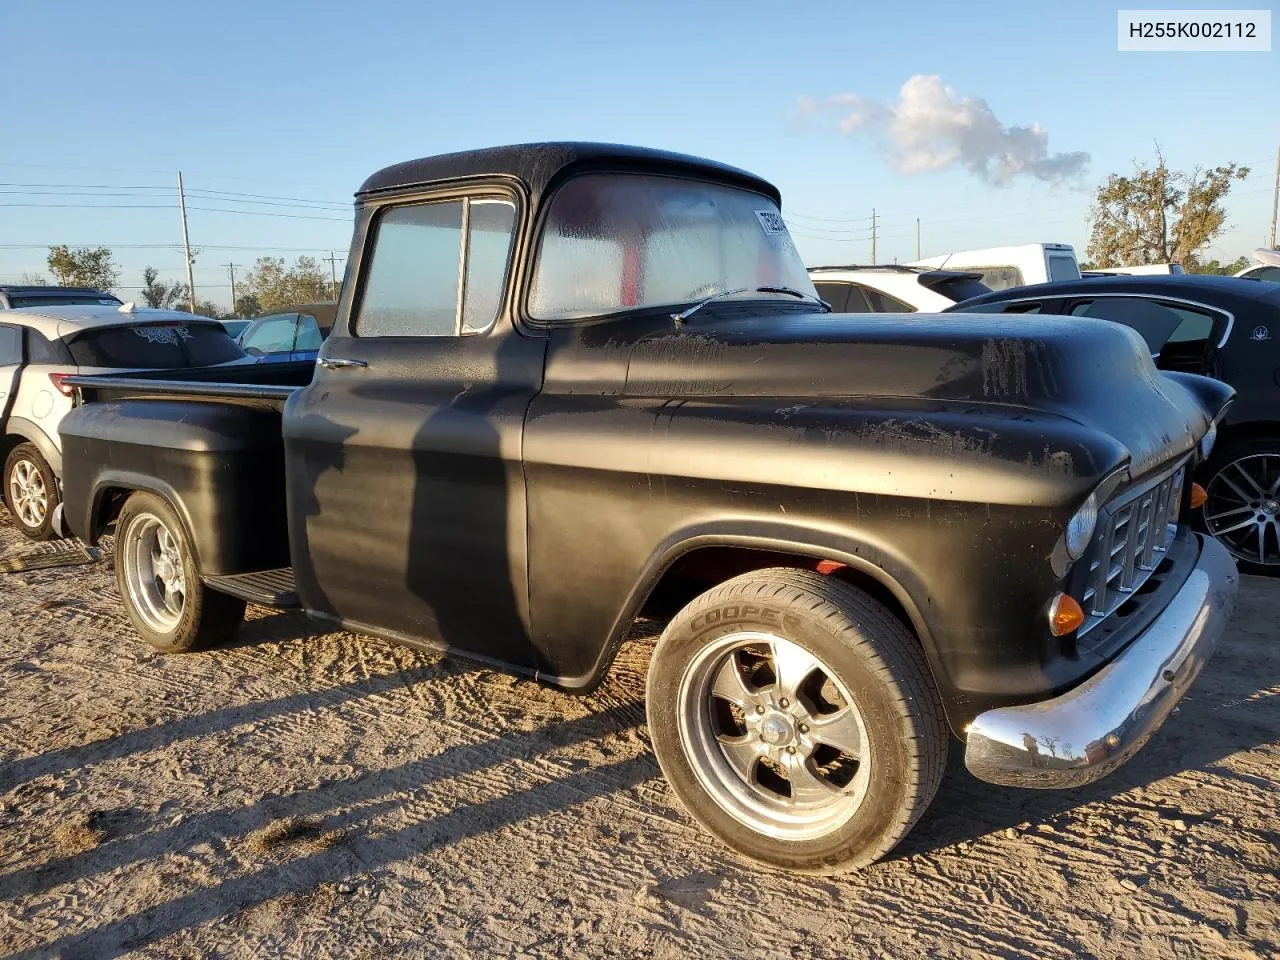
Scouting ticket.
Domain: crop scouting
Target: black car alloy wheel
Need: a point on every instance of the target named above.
(1243, 508)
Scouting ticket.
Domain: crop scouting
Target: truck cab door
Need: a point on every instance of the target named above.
(10, 369)
(404, 455)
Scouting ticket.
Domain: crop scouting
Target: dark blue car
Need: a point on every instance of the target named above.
(289, 333)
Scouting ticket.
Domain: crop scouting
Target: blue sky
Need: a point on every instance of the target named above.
(303, 100)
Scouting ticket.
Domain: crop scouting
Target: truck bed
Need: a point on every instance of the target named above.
(261, 384)
(208, 439)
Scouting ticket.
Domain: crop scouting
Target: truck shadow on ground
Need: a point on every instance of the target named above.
(340, 810)
(427, 815)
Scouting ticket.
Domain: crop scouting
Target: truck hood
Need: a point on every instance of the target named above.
(1098, 374)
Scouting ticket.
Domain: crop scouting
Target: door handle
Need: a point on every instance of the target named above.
(337, 363)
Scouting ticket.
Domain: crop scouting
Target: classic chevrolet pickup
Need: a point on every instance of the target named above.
(573, 385)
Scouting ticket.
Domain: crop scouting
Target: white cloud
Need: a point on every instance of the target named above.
(931, 127)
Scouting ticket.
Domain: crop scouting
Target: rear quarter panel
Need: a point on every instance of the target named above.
(221, 465)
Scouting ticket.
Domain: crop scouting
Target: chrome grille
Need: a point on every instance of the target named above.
(1130, 545)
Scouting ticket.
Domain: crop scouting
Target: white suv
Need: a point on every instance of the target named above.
(41, 346)
(894, 289)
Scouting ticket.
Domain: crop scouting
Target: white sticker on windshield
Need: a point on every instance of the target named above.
(771, 222)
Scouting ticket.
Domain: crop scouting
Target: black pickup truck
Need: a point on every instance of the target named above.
(573, 385)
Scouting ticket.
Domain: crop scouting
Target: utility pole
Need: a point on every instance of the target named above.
(232, 268)
(333, 272)
(873, 237)
(186, 246)
(1275, 202)
(917, 238)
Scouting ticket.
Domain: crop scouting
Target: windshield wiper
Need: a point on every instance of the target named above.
(791, 291)
(697, 305)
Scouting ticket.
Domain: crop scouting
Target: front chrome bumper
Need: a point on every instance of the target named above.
(1091, 729)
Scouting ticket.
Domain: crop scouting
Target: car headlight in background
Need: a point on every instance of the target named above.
(1080, 528)
(1207, 441)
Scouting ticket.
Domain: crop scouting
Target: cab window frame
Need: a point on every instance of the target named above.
(464, 196)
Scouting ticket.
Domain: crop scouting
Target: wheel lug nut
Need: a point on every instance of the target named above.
(784, 703)
(760, 708)
(804, 728)
(791, 749)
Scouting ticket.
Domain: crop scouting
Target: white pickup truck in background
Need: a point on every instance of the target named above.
(1005, 267)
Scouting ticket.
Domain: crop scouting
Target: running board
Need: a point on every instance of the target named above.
(266, 588)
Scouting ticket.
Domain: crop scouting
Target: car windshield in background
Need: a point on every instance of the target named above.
(59, 300)
(616, 242)
(164, 346)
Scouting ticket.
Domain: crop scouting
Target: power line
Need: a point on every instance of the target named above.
(806, 216)
(170, 206)
(202, 195)
(267, 213)
(808, 226)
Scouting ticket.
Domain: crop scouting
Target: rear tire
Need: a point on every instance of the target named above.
(796, 718)
(160, 583)
(31, 492)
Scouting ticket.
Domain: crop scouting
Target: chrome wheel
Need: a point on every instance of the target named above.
(28, 498)
(773, 736)
(153, 572)
(1242, 509)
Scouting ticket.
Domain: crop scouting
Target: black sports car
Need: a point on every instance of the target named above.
(1225, 327)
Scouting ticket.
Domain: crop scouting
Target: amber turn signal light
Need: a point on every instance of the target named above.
(1065, 615)
(1198, 496)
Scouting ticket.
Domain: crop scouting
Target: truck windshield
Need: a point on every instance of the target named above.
(161, 346)
(616, 241)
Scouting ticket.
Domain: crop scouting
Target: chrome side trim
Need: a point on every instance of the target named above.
(1089, 731)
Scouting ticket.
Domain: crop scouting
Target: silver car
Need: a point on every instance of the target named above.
(41, 346)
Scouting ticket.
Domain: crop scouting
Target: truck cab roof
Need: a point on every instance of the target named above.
(538, 166)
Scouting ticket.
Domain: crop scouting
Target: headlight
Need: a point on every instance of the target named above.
(1207, 441)
(1080, 528)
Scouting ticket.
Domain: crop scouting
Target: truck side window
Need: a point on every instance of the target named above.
(411, 289)
(10, 346)
(490, 226)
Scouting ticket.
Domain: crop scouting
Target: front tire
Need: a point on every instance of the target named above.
(160, 583)
(31, 491)
(796, 719)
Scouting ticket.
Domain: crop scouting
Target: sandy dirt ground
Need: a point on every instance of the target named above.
(327, 795)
